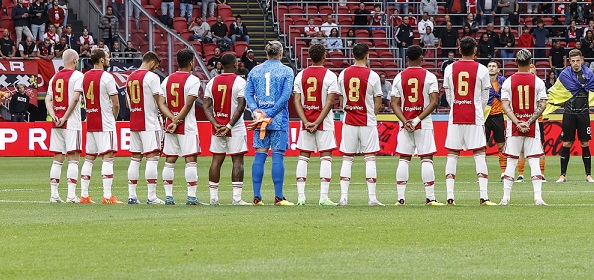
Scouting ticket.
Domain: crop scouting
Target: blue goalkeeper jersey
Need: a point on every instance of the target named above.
(269, 87)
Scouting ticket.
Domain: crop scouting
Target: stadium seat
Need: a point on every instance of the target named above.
(156, 4)
(208, 49)
(150, 9)
(282, 10)
(197, 46)
(381, 43)
(312, 11)
(328, 64)
(211, 20)
(542, 64)
(300, 21)
(225, 11)
(186, 34)
(180, 24)
(345, 21)
(7, 23)
(374, 63)
(325, 9)
(144, 2)
(228, 21)
(378, 33)
(196, 12)
(361, 33)
(318, 21)
(240, 48)
(385, 54)
(295, 10)
(373, 54)
(229, 52)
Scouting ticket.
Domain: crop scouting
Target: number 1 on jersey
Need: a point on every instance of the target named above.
(267, 77)
(524, 97)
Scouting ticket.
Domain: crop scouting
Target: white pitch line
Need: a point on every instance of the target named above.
(22, 201)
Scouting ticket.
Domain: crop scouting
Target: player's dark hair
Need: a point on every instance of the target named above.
(184, 57)
(496, 63)
(316, 52)
(360, 50)
(467, 46)
(97, 54)
(151, 56)
(414, 52)
(228, 60)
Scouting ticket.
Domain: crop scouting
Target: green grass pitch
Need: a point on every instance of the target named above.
(48, 241)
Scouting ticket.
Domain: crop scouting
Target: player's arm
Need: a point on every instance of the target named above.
(283, 99)
(185, 110)
(250, 95)
(115, 104)
(507, 109)
(49, 103)
(72, 106)
(378, 104)
(485, 90)
(433, 100)
(207, 107)
(447, 85)
(329, 104)
(299, 107)
(162, 103)
(541, 94)
(377, 95)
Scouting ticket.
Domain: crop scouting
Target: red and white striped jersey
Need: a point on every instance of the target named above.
(62, 87)
(358, 86)
(224, 90)
(523, 90)
(141, 88)
(467, 84)
(98, 87)
(176, 88)
(413, 86)
(314, 84)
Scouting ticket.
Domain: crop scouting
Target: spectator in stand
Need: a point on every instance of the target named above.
(440, 28)
(101, 45)
(218, 69)
(27, 49)
(396, 19)
(118, 8)
(45, 50)
(7, 46)
(185, 9)
(526, 41)
(429, 7)
(507, 41)
(588, 47)
(130, 52)
(386, 90)
(557, 31)
(550, 80)
(424, 23)
(377, 18)
(241, 70)
(589, 27)
(60, 47)
(404, 37)
(19, 104)
(38, 18)
(70, 39)
(487, 10)
(219, 31)
(319, 39)
(447, 62)
(51, 34)
(208, 5)
(572, 35)
(448, 40)
(466, 31)
(328, 25)
(167, 8)
(471, 7)
(557, 58)
(249, 60)
(458, 8)
(238, 31)
(575, 12)
(349, 42)
(428, 42)
(85, 50)
(402, 6)
(221, 2)
(201, 31)
(470, 22)
(310, 30)
(486, 50)
(63, 4)
(493, 36)
(116, 49)
(109, 25)
(56, 17)
(334, 43)
(212, 62)
(135, 12)
(86, 37)
(507, 8)
(20, 15)
(531, 7)
(361, 20)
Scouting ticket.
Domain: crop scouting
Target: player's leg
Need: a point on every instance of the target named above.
(428, 177)
(405, 148)
(543, 157)
(72, 176)
(454, 143)
(499, 137)
(133, 174)
(261, 146)
(325, 177)
(87, 168)
(301, 174)
(150, 174)
(568, 128)
(533, 151)
(348, 146)
(369, 143)
(171, 149)
(584, 137)
(513, 148)
(55, 174)
(521, 165)
(107, 148)
(279, 141)
(191, 174)
(483, 176)
(237, 179)
(214, 177)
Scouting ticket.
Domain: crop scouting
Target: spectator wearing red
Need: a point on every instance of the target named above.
(86, 37)
(45, 50)
(56, 17)
(526, 41)
(377, 18)
(52, 35)
(572, 35)
(458, 8)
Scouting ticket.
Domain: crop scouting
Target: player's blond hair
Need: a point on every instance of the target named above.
(524, 57)
(274, 49)
(70, 57)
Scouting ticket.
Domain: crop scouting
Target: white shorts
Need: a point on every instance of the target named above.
(234, 145)
(421, 139)
(319, 141)
(181, 145)
(100, 143)
(145, 142)
(359, 139)
(65, 141)
(465, 137)
(515, 144)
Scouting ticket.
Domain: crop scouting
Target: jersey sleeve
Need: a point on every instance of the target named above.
(431, 83)
(297, 88)
(50, 90)
(193, 86)
(239, 86)
(448, 84)
(208, 89)
(250, 93)
(110, 84)
(396, 86)
(506, 89)
(541, 89)
(78, 81)
(154, 84)
(485, 80)
(331, 82)
(376, 86)
(341, 90)
(164, 87)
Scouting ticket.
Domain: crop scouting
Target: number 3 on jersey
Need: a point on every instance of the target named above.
(354, 85)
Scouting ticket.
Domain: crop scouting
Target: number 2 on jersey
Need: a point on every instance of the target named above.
(175, 94)
(463, 83)
(90, 94)
(223, 90)
(134, 91)
(523, 97)
(314, 86)
(59, 90)
(414, 82)
(354, 85)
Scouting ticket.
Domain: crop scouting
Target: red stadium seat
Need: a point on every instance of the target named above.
(211, 20)
(381, 43)
(208, 49)
(328, 64)
(225, 11)
(378, 34)
(299, 21)
(325, 9)
(180, 24)
(228, 21)
(361, 33)
(197, 46)
(156, 4)
(295, 9)
(150, 9)
(345, 20)
(312, 11)
(240, 48)
(229, 52)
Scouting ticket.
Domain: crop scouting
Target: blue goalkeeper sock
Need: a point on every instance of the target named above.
(258, 172)
(278, 172)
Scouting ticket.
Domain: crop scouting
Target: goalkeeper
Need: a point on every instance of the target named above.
(269, 87)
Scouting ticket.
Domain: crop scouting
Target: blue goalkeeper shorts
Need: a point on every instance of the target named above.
(274, 139)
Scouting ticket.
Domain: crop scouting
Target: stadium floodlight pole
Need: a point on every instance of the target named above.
(103, 6)
(151, 38)
(169, 54)
(127, 22)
